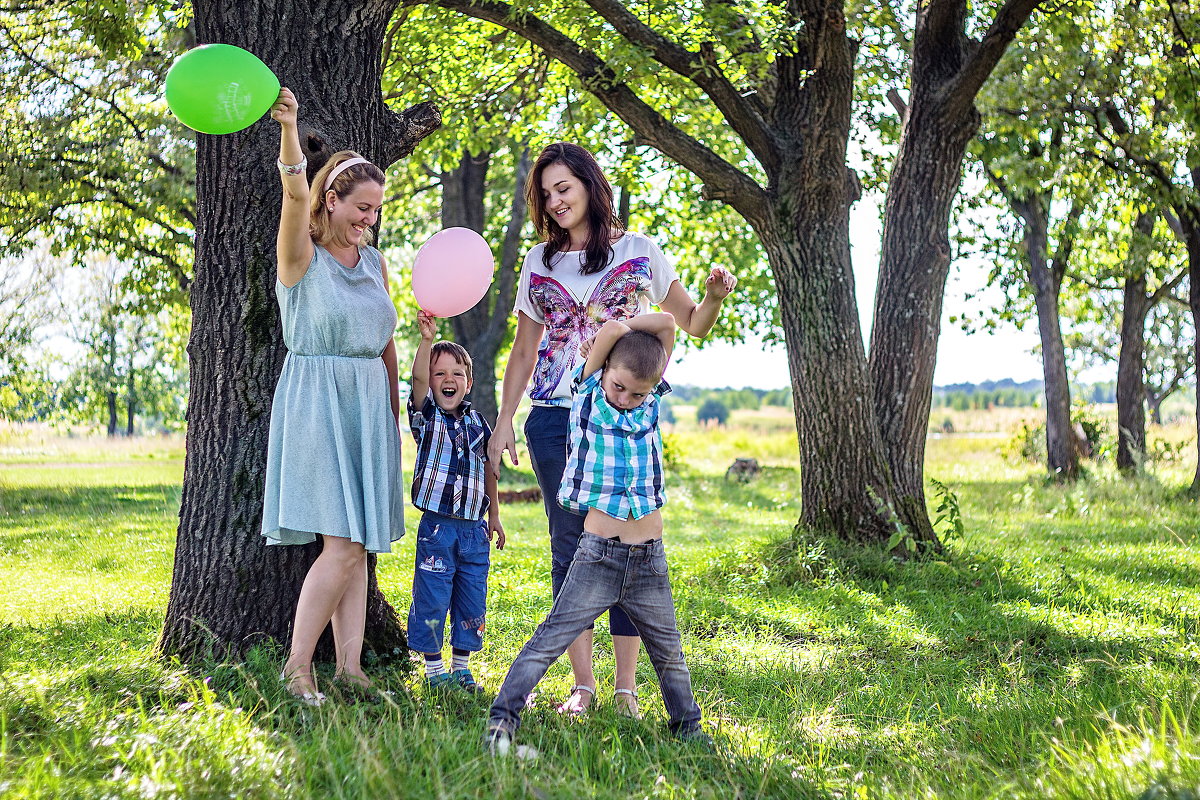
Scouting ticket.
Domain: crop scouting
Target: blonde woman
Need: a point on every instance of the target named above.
(333, 459)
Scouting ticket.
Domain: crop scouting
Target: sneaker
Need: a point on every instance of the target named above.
(441, 682)
(466, 681)
(498, 743)
(695, 736)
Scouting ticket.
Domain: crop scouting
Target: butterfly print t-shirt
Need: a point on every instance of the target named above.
(574, 306)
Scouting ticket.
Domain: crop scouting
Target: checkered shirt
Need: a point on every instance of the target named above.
(448, 478)
(614, 458)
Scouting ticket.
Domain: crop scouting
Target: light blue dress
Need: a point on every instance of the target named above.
(333, 457)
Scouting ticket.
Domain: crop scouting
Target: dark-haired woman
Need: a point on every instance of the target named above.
(333, 457)
(585, 272)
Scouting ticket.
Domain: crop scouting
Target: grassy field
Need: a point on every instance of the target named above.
(1053, 652)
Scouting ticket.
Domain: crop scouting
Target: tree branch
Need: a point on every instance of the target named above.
(138, 133)
(405, 130)
(725, 181)
(983, 60)
(1168, 288)
(743, 114)
(1062, 253)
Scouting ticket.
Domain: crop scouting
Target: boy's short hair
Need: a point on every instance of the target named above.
(641, 353)
(456, 351)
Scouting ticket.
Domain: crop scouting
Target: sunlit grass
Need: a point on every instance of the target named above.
(1053, 651)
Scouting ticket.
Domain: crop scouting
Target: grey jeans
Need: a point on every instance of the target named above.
(604, 573)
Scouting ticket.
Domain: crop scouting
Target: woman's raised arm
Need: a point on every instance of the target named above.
(294, 247)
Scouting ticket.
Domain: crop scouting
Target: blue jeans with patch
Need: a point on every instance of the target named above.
(453, 556)
(546, 438)
(606, 572)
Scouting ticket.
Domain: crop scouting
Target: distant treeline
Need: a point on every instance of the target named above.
(732, 398)
(1005, 393)
(1008, 393)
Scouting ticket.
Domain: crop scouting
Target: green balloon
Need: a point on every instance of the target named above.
(220, 88)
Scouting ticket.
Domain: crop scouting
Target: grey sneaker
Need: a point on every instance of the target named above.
(695, 736)
(498, 743)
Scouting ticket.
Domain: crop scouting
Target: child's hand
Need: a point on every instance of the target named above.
(586, 347)
(719, 283)
(285, 107)
(427, 324)
(494, 527)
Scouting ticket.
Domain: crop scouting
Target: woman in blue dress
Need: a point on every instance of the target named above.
(333, 458)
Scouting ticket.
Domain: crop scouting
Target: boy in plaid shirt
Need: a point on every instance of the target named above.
(454, 488)
(614, 475)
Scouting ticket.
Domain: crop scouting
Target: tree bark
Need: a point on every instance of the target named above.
(111, 396)
(845, 484)
(948, 69)
(1189, 219)
(228, 590)
(1045, 276)
(1131, 389)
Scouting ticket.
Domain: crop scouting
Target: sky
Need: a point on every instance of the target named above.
(961, 358)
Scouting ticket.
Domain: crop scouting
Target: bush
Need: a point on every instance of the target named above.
(1029, 441)
(712, 409)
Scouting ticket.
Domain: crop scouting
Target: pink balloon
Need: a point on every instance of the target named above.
(452, 272)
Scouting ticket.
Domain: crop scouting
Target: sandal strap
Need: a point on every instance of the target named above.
(580, 687)
(630, 692)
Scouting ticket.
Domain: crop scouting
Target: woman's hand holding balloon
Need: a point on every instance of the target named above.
(284, 109)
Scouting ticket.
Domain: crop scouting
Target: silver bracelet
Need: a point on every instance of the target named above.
(292, 169)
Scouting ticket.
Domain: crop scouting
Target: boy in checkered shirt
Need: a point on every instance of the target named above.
(454, 488)
(614, 476)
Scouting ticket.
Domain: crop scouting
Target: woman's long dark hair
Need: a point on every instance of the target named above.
(600, 217)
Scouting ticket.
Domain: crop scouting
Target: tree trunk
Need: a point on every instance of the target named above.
(1189, 219)
(482, 330)
(914, 265)
(130, 390)
(845, 484)
(1062, 455)
(1131, 390)
(915, 251)
(228, 590)
(111, 396)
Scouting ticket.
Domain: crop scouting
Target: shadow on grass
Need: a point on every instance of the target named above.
(27, 503)
(84, 713)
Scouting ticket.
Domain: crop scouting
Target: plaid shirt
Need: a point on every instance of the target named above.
(448, 478)
(614, 458)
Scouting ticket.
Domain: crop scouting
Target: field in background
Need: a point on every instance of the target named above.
(1053, 652)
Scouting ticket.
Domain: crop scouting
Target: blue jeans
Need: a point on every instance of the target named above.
(453, 556)
(607, 572)
(546, 438)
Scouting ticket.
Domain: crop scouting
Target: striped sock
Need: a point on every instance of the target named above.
(434, 665)
(459, 658)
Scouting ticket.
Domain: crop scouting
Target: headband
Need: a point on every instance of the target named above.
(345, 165)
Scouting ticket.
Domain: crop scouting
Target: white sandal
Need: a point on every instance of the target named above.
(625, 709)
(574, 710)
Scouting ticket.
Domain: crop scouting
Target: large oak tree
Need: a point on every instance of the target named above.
(783, 83)
(228, 590)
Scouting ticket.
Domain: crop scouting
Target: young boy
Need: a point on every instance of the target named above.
(614, 474)
(454, 488)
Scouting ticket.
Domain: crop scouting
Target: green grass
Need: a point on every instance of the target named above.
(1053, 652)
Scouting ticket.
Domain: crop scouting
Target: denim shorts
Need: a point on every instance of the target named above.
(453, 557)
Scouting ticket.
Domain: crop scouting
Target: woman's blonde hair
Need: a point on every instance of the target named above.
(345, 183)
